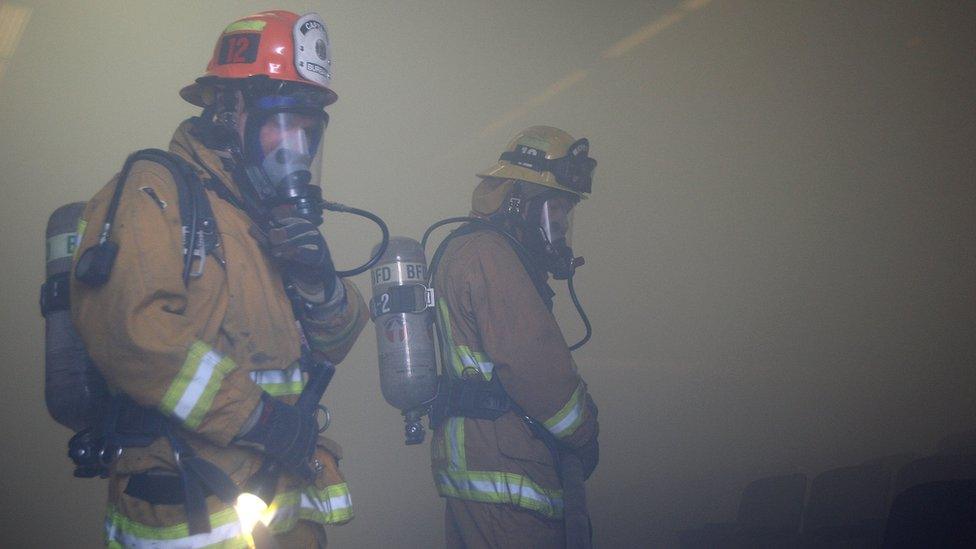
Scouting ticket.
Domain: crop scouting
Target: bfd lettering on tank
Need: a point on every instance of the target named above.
(413, 272)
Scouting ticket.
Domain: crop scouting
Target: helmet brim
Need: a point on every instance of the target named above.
(505, 170)
(194, 93)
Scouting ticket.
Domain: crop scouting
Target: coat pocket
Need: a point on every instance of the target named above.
(516, 441)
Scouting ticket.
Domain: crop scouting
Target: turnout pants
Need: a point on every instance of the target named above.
(475, 525)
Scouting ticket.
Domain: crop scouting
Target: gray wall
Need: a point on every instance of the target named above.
(780, 251)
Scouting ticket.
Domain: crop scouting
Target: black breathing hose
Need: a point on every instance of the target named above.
(441, 223)
(442, 247)
(582, 314)
(439, 251)
(342, 208)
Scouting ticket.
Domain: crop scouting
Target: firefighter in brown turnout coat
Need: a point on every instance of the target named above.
(517, 402)
(194, 330)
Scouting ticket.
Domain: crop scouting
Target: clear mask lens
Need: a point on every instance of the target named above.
(556, 219)
(289, 144)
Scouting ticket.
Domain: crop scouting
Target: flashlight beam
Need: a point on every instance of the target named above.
(13, 21)
(615, 51)
(553, 90)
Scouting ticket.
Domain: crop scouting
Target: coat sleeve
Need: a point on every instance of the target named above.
(522, 338)
(333, 331)
(140, 329)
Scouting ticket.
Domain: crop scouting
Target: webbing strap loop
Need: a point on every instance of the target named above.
(407, 298)
(472, 398)
(54, 294)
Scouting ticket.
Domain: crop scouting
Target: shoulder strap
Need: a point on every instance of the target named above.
(537, 278)
(196, 216)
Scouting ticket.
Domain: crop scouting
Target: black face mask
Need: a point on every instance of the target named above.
(560, 260)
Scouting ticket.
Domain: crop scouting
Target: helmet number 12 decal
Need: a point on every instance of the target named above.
(239, 48)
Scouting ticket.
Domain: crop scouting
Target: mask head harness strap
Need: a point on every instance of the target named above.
(515, 204)
(94, 266)
(573, 171)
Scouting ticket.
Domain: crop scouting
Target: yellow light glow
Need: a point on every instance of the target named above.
(251, 510)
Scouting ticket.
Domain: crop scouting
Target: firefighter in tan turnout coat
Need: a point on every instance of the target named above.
(496, 463)
(218, 355)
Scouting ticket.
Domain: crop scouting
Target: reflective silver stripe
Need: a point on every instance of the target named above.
(473, 359)
(280, 382)
(499, 487)
(198, 384)
(283, 511)
(194, 387)
(333, 504)
(568, 421)
(444, 318)
(226, 531)
(462, 357)
(569, 417)
(454, 435)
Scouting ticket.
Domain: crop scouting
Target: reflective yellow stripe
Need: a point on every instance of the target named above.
(225, 532)
(331, 505)
(462, 357)
(245, 26)
(569, 417)
(192, 391)
(502, 488)
(444, 319)
(454, 442)
(280, 382)
(476, 360)
(80, 231)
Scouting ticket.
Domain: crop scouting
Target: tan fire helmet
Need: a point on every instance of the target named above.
(547, 156)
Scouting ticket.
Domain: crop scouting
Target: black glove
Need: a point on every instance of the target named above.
(285, 434)
(301, 248)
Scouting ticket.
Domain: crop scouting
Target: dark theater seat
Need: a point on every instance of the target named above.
(933, 514)
(769, 517)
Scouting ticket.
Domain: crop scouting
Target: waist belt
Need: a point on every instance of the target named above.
(125, 425)
(128, 425)
(159, 488)
(479, 399)
(474, 398)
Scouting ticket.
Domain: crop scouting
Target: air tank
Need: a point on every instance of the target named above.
(404, 332)
(74, 391)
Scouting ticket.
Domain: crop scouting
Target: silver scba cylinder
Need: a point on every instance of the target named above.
(404, 332)
(74, 391)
